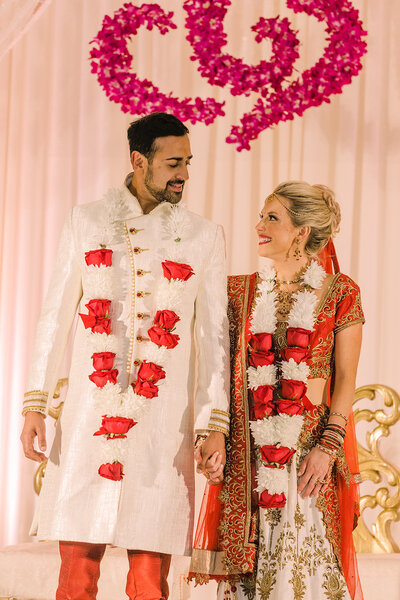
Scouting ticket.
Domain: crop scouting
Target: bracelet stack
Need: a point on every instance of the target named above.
(332, 439)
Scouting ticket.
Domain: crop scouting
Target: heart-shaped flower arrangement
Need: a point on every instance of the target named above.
(279, 99)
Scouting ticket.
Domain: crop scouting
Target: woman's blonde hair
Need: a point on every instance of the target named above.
(313, 206)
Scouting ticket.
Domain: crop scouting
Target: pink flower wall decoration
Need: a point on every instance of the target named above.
(280, 99)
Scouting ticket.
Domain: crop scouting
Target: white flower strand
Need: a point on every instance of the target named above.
(177, 224)
(273, 480)
(110, 229)
(296, 371)
(302, 313)
(264, 375)
(282, 430)
(314, 275)
(101, 342)
(263, 318)
(99, 282)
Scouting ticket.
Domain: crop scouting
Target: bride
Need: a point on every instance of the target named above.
(288, 503)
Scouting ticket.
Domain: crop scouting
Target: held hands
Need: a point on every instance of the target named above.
(314, 473)
(34, 426)
(211, 457)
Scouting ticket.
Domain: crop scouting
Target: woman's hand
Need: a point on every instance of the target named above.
(314, 473)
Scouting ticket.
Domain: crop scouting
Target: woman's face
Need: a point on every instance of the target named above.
(276, 232)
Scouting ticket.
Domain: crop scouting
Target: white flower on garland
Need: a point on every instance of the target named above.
(264, 375)
(302, 313)
(99, 282)
(263, 431)
(113, 450)
(118, 403)
(273, 480)
(268, 276)
(157, 355)
(101, 342)
(282, 430)
(170, 293)
(296, 371)
(288, 429)
(314, 275)
(177, 224)
(110, 229)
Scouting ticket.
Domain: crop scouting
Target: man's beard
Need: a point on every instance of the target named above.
(163, 195)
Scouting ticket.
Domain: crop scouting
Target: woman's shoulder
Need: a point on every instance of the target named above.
(344, 284)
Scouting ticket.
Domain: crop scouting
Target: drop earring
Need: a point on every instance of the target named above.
(297, 252)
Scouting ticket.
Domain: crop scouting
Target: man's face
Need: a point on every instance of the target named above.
(166, 175)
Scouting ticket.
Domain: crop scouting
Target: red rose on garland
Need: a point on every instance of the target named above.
(296, 336)
(261, 410)
(115, 427)
(263, 401)
(275, 454)
(261, 342)
(102, 256)
(259, 359)
(97, 319)
(151, 372)
(111, 471)
(103, 360)
(267, 500)
(293, 390)
(145, 388)
(289, 407)
(166, 319)
(298, 354)
(100, 378)
(98, 307)
(96, 324)
(174, 270)
(162, 338)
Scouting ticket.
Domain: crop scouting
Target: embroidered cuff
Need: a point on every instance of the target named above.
(219, 421)
(35, 401)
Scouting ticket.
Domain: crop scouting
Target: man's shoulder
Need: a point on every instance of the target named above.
(93, 207)
(201, 222)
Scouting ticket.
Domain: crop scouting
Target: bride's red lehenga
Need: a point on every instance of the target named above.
(225, 543)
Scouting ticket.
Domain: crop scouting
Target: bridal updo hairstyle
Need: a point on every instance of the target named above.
(314, 206)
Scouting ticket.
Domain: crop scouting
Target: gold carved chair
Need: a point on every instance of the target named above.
(374, 467)
(377, 551)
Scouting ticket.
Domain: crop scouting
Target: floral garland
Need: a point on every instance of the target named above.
(279, 101)
(123, 408)
(277, 423)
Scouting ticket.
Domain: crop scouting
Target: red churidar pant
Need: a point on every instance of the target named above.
(80, 571)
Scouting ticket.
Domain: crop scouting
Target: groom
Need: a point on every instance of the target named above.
(147, 278)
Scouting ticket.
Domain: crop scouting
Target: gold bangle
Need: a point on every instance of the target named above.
(327, 450)
(338, 414)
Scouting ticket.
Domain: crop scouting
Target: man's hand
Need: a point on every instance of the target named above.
(34, 426)
(213, 450)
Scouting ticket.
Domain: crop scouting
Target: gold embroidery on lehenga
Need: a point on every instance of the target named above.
(304, 557)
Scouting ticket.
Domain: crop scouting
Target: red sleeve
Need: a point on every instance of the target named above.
(348, 308)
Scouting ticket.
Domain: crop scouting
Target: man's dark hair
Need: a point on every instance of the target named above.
(143, 132)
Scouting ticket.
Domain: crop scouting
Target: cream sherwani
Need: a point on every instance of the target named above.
(152, 507)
